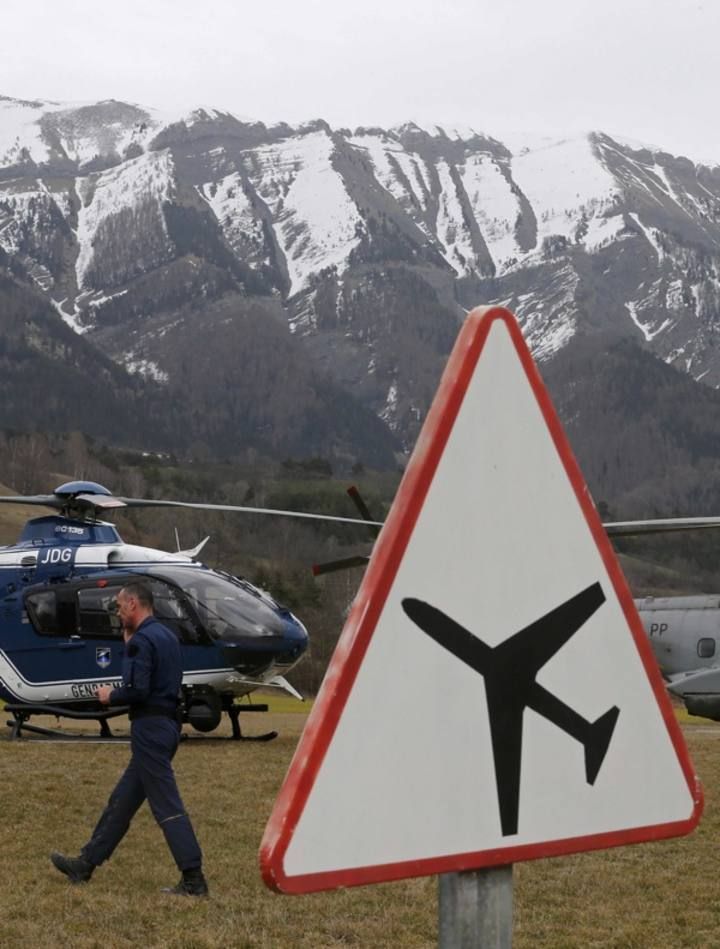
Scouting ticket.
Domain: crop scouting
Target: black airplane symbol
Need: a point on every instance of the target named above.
(509, 671)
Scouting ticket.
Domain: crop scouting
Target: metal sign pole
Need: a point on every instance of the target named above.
(475, 909)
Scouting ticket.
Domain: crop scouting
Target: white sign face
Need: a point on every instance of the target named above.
(493, 696)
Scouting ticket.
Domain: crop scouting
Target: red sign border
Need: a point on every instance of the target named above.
(360, 626)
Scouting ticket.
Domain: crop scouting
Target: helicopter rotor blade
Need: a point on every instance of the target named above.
(363, 509)
(80, 498)
(46, 500)
(68, 497)
(660, 526)
(148, 502)
(345, 563)
(59, 502)
(107, 502)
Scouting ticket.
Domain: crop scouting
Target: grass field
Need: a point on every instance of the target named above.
(643, 897)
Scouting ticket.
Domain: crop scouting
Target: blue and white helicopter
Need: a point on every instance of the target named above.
(60, 637)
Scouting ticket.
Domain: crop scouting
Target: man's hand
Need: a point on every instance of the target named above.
(102, 693)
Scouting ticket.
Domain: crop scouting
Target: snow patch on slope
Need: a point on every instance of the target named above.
(546, 342)
(494, 207)
(232, 208)
(602, 231)
(72, 319)
(389, 412)
(316, 222)
(562, 182)
(382, 151)
(20, 130)
(452, 231)
(148, 177)
(457, 131)
(548, 317)
(145, 368)
(84, 140)
(650, 234)
(415, 170)
(648, 329)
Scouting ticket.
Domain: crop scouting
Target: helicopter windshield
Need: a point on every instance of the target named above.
(226, 605)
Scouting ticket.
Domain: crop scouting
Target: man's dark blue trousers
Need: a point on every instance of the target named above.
(149, 774)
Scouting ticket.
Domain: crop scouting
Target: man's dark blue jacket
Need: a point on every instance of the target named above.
(152, 668)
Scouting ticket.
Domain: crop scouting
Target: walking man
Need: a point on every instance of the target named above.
(152, 675)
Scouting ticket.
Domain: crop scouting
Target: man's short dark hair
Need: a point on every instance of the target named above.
(141, 591)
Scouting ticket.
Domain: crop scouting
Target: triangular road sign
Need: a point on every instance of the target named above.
(493, 696)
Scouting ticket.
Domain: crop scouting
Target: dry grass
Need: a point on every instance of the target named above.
(652, 896)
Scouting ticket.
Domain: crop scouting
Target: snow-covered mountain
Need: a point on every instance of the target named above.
(362, 248)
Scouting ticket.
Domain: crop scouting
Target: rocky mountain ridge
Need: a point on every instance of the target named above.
(171, 242)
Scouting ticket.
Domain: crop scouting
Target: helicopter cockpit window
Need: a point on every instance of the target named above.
(706, 647)
(171, 610)
(96, 612)
(227, 607)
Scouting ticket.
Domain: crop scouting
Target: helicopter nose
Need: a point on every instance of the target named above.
(251, 653)
(296, 637)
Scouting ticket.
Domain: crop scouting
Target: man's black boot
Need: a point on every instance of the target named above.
(192, 883)
(76, 869)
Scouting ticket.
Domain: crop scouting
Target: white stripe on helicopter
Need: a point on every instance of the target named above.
(102, 555)
(226, 680)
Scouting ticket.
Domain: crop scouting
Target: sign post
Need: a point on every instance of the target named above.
(493, 696)
(475, 909)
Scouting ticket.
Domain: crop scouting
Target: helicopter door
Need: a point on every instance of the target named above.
(79, 638)
(52, 613)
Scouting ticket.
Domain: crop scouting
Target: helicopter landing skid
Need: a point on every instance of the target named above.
(22, 712)
(237, 735)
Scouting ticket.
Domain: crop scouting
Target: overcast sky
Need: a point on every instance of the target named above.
(646, 69)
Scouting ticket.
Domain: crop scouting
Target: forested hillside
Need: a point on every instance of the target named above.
(263, 401)
(278, 554)
(645, 435)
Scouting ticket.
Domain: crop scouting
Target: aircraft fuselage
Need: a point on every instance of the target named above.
(684, 633)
